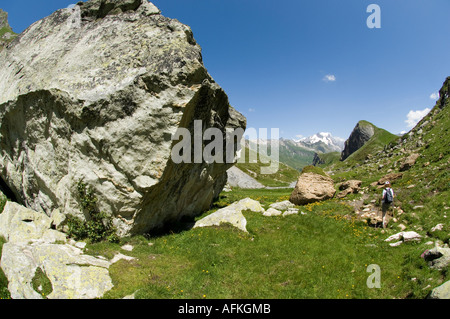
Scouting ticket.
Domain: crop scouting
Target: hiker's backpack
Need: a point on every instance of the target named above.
(388, 197)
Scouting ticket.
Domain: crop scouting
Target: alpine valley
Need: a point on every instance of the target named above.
(93, 206)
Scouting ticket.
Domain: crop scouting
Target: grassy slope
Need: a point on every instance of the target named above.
(283, 177)
(319, 254)
(329, 158)
(377, 142)
(295, 156)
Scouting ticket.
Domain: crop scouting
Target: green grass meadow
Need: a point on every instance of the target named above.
(320, 254)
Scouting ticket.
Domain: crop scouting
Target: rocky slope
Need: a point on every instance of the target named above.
(95, 93)
(416, 164)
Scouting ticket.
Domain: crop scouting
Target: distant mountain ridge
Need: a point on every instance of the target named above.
(334, 144)
(301, 152)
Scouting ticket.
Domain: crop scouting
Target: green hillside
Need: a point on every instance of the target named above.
(379, 140)
(284, 176)
(326, 159)
(295, 156)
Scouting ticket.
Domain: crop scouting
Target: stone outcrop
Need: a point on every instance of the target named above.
(362, 132)
(96, 93)
(311, 188)
(33, 247)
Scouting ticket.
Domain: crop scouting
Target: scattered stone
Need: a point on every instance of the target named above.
(284, 205)
(408, 162)
(290, 211)
(272, 212)
(349, 187)
(437, 227)
(389, 177)
(437, 258)
(127, 247)
(248, 204)
(405, 237)
(80, 245)
(398, 243)
(120, 256)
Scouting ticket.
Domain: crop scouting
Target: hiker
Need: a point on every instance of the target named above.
(386, 200)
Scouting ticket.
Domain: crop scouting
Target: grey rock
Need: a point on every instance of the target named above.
(441, 292)
(231, 214)
(408, 162)
(32, 244)
(362, 132)
(349, 187)
(291, 211)
(272, 212)
(237, 178)
(437, 258)
(284, 205)
(19, 224)
(405, 236)
(95, 93)
(72, 274)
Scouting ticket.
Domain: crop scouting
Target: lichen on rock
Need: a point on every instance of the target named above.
(95, 93)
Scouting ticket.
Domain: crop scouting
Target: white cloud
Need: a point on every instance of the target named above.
(414, 117)
(251, 110)
(434, 96)
(70, 6)
(329, 78)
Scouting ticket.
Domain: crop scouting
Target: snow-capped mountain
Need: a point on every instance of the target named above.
(298, 153)
(333, 144)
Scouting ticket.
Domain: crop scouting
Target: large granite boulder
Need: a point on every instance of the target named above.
(312, 187)
(96, 93)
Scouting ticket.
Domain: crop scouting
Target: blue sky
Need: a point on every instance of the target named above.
(313, 65)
